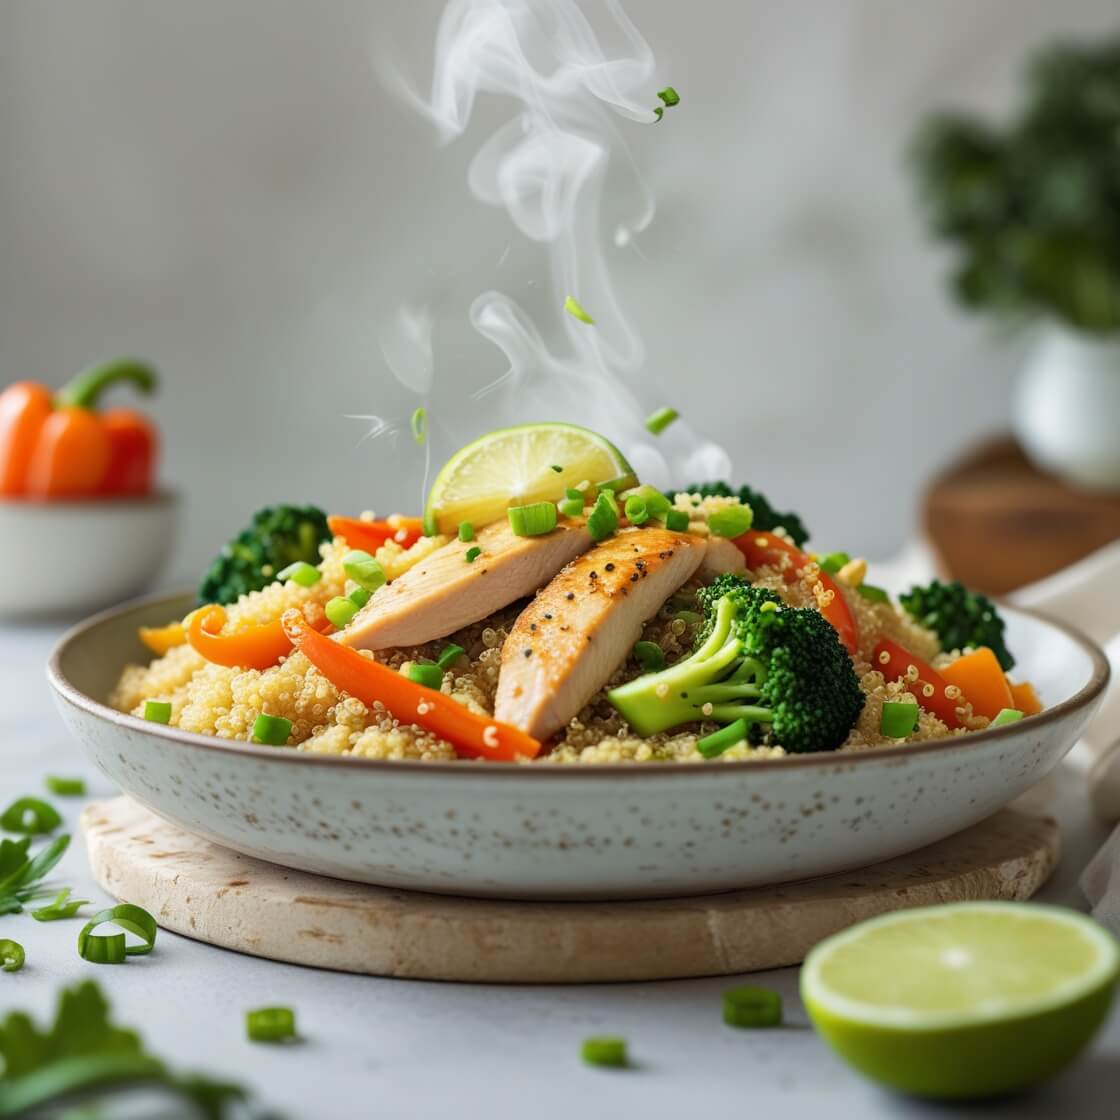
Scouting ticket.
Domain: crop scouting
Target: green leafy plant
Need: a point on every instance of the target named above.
(1033, 209)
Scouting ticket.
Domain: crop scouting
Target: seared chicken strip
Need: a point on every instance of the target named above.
(446, 592)
(569, 641)
(721, 557)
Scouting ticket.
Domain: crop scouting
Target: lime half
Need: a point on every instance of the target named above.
(971, 999)
(514, 466)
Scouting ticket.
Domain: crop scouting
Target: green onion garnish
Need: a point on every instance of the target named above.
(430, 676)
(637, 512)
(752, 1007)
(712, 746)
(691, 617)
(1006, 716)
(472, 554)
(602, 521)
(419, 424)
(66, 787)
(732, 521)
(111, 948)
(359, 596)
(660, 420)
(874, 594)
(157, 711)
(558, 470)
(607, 1051)
(273, 731)
(12, 955)
(898, 719)
(466, 531)
(676, 521)
(656, 502)
(649, 655)
(301, 572)
(340, 610)
(270, 1024)
(669, 96)
(571, 507)
(572, 307)
(533, 520)
(575, 495)
(363, 569)
(833, 562)
(61, 906)
(449, 656)
(30, 816)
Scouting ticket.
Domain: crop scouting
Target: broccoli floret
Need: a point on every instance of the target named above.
(277, 537)
(782, 669)
(766, 517)
(960, 618)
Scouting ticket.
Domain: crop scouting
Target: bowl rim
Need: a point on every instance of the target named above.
(1085, 696)
(160, 497)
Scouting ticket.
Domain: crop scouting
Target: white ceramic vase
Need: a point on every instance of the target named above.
(1067, 407)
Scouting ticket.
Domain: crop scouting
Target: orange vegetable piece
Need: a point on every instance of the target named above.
(71, 456)
(1025, 697)
(133, 449)
(24, 407)
(929, 689)
(371, 535)
(258, 647)
(979, 676)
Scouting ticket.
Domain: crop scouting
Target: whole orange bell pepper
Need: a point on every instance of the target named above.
(55, 447)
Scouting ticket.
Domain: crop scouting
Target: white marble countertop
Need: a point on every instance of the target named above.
(398, 1048)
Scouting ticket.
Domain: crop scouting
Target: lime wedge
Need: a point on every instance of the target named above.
(515, 466)
(972, 999)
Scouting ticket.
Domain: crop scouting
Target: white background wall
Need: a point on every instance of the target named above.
(227, 189)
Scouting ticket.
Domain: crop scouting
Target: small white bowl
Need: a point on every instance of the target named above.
(64, 557)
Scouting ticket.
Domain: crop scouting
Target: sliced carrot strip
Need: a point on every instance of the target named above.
(929, 689)
(979, 676)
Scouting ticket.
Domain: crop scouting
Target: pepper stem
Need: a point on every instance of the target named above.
(84, 390)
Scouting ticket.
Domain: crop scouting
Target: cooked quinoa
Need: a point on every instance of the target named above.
(215, 700)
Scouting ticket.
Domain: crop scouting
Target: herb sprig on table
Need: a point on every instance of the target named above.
(22, 875)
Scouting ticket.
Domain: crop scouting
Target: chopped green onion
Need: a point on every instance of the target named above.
(637, 512)
(572, 307)
(649, 655)
(61, 906)
(656, 502)
(359, 596)
(66, 787)
(449, 656)
(833, 562)
(340, 610)
(430, 676)
(571, 507)
(619, 482)
(466, 531)
(111, 948)
(691, 617)
(658, 421)
(428, 524)
(752, 1007)
(872, 593)
(606, 1051)
(575, 495)
(273, 731)
(30, 816)
(558, 470)
(602, 521)
(472, 554)
(898, 719)
(157, 711)
(731, 521)
(676, 521)
(712, 746)
(363, 569)
(270, 1024)
(669, 96)
(419, 424)
(12, 955)
(301, 572)
(533, 520)
(1006, 716)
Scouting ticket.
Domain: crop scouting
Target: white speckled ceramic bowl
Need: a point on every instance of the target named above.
(513, 831)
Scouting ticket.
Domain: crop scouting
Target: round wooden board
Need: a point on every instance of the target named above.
(207, 892)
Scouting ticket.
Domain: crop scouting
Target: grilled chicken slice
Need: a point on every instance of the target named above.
(569, 641)
(444, 592)
(721, 557)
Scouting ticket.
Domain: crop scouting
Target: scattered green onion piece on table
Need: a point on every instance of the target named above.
(606, 1051)
(359, 596)
(669, 96)
(1006, 716)
(833, 562)
(712, 746)
(12, 955)
(61, 906)
(270, 1024)
(571, 507)
(449, 656)
(273, 731)
(573, 308)
(430, 676)
(472, 554)
(649, 655)
(658, 421)
(602, 521)
(637, 512)
(157, 711)
(419, 424)
(466, 531)
(898, 719)
(30, 816)
(301, 572)
(733, 521)
(66, 787)
(873, 594)
(676, 521)
(111, 948)
(340, 610)
(363, 569)
(752, 1007)
(533, 520)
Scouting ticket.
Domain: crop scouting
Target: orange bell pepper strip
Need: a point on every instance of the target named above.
(930, 688)
(472, 735)
(979, 676)
(1025, 697)
(257, 647)
(762, 550)
(371, 535)
(24, 407)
